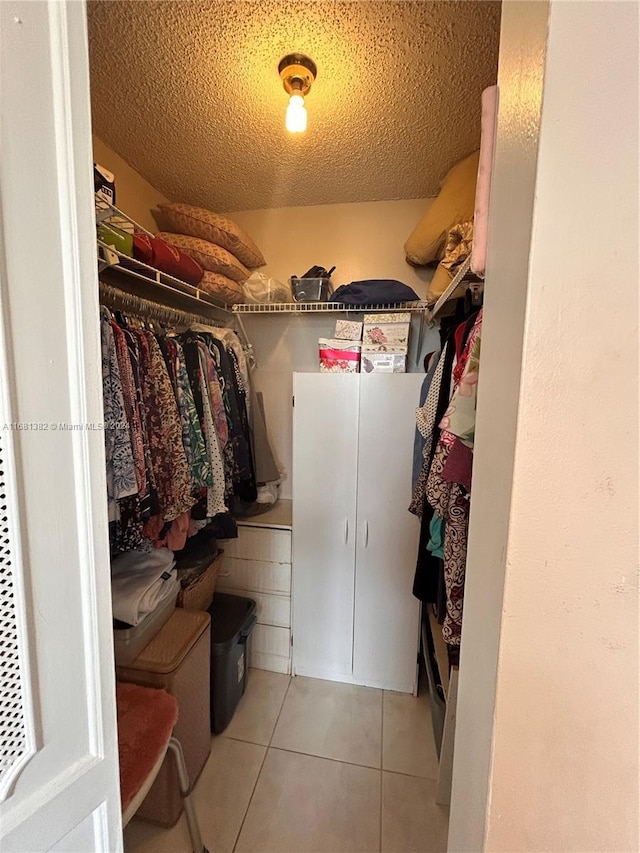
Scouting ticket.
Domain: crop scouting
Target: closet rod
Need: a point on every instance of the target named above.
(145, 308)
(118, 299)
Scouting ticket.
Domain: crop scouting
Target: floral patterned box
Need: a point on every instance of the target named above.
(386, 332)
(339, 356)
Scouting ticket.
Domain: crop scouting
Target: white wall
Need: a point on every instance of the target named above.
(564, 723)
(363, 240)
(134, 195)
(520, 78)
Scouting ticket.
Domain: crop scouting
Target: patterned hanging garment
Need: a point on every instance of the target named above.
(169, 463)
(125, 529)
(121, 474)
(216, 494)
(192, 436)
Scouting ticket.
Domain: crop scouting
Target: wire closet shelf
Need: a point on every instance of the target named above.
(109, 258)
(324, 307)
(429, 310)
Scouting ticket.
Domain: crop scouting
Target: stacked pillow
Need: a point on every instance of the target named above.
(431, 236)
(220, 246)
(169, 259)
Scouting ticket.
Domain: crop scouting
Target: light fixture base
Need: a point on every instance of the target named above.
(297, 73)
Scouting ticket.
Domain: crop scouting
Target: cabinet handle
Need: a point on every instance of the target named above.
(346, 530)
(226, 574)
(366, 534)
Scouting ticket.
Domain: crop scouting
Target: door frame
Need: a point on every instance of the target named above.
(64, 795)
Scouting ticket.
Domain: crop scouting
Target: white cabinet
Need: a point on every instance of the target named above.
(325, 464)
(258, 565)
(354, 542)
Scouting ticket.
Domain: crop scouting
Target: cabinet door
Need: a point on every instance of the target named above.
(386, 613)
(325, 441)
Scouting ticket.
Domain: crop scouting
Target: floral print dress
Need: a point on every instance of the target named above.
(168, 459)
(121, 471)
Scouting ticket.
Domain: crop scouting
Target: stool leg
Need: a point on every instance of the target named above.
(189, 810)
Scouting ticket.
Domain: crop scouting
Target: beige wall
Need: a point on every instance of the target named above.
(363, 240)
(558, 730)
(134, 195)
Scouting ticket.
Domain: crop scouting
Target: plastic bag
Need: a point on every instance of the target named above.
(260, 289)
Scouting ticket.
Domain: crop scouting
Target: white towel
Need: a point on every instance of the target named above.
(140, 581)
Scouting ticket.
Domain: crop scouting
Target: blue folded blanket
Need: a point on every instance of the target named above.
(374, 291)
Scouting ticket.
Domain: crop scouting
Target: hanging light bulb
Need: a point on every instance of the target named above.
(297, 73)
(296, 120)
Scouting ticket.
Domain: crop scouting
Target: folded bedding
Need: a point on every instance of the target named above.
(141, 581)
(383, 291)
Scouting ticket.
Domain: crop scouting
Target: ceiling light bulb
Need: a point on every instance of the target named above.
(296, 120)
(297, 73)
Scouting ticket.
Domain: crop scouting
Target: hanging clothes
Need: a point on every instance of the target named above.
(192, 437)
(177, 440)
(429, 578)
(425, 416)
(168, 458)
(121, 472)
(426, 421)
(130, 406)
(230, 338)
(237, 453)
(443, 489)
(149, 504)
(215, 494)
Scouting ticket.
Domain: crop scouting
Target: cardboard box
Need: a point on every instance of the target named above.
(104, 184)
(384, 362)
(348, 330)
(386, 332)
(338, 356)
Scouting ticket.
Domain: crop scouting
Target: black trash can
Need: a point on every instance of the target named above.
(232, 621)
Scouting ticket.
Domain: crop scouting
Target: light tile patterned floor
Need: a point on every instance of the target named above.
(310, 766)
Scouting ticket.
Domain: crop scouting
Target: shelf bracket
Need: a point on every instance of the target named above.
(248, 346)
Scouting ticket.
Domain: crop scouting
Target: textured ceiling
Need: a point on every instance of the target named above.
(188, 93)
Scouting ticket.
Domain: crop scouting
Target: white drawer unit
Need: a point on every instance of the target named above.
(258, 565)
(271, 609)
(254, 575)
(260, 543)
(270, 648)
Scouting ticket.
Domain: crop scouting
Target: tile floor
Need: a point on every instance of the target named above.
(310, 766)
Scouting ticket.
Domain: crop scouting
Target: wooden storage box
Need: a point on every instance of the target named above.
(198, 595)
